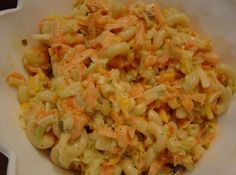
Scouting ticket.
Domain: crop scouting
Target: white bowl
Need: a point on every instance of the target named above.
(214, 18)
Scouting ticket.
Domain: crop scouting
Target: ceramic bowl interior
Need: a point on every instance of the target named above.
(213, 18)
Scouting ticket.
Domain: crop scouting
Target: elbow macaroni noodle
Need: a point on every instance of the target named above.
(122, 88)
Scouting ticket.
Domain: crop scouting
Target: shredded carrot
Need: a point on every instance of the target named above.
(79, 122)
(107, 170)
(80, 68)
(222, 79)
(183, 123)
(189, 45)
(171, 130)
(211, 58)
(158, 15)
(139, 36)
(150, 61)
(82, 21)
(41, 114)
(198, 97)
(82, 56)
(128, 20)
(15, 79)
(162, 61)
(116, 117)
(122, 135)
(171, 93)
(107, 132)
(114, 159)
(157, 164)
(100, 19)
(137, 91)
(210, 137)
(116, 150)
(117, 62)
(34, 110)
(104, 40)
(90, 93)
(187, 104)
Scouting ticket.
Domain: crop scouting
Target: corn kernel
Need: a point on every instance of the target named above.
(164, 116)
(208, 110)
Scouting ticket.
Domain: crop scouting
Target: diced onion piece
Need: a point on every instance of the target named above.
(121, 48)
(154, 93)
(180, 113)
(47, 121)
(70, 90)
(23, 94)
(68, 123)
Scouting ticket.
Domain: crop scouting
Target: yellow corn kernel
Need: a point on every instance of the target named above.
(42, 76)
(164, 116)
(170, 76)
(124, 105)
(37, 82)
(147, 86)
(208, 110)
(25, 106)
(158, 77)
(101, 70)
(114, 160)
(34, 85)
(173, 103)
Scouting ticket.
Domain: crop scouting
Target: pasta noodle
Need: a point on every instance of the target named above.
(23, 94)
(129, 168)
(160, 135)
(128, 33)
(115, 49)
(122, 88)
(159, 38)
(224, 100)
(37, 136)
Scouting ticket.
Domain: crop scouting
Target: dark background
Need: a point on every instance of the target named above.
(5, 4)
(3, 164)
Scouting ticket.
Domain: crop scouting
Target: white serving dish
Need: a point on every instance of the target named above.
(214, 18)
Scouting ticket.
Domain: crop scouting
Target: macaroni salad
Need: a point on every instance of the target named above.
(122, 88)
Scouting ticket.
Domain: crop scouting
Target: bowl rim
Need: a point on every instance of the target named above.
(10, 154)
(5, 148)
